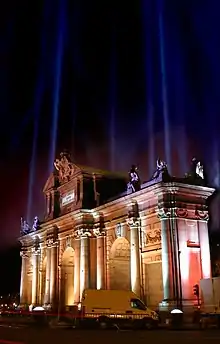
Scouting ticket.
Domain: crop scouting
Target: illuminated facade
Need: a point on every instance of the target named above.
(153, 241)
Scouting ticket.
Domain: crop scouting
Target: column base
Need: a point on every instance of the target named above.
(23, 306)
(47, 306)
(188, 307)
(185, 306)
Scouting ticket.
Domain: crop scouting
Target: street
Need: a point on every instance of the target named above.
(27, 335)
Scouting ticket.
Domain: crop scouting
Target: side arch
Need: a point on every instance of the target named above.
(67, 277)
(119, 264)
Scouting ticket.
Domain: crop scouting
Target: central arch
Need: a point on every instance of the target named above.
(120, 277)
(67, 277)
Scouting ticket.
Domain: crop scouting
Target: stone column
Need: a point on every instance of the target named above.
(47, 284)
(59, 290)
(53, 275)
(167, 270)
(135, 266)
(84, 262)
(204, 244)
(184, 258)
(40, 288)
(101, 264)
(77, 272)
(23, 282)
(35, 278)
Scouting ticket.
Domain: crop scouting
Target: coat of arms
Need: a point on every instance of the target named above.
(65, 167)
(118, 230)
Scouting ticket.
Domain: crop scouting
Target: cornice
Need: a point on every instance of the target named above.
(184, 189)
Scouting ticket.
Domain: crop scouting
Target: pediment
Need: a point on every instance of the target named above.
(50, 183)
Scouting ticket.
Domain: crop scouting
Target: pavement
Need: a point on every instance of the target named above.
(30, 335)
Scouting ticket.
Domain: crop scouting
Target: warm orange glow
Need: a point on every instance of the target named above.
(194, 270)
(67, 271)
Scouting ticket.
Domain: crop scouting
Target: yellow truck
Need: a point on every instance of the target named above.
(116, 308)
(210, 302)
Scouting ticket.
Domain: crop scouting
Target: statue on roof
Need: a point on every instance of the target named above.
(134, 183)
(36, 224)
(197, 169)
(25, 228)
(161, 168)
(64, 166)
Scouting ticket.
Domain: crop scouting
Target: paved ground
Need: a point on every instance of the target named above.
(25, 335)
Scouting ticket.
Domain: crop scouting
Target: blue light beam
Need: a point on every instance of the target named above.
(39, 92)
(112, 103)
(167, 142)
(59, 50)
(147, 36)
(37, 109)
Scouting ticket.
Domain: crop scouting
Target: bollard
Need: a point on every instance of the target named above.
(176, 319)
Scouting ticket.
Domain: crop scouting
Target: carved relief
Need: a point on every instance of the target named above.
(202, 214)
(163, 213)
(181, 212)
(133, 222)
(68, 241)
(153, 237)
(65, 167)
(24, 253)
(153, 258)
(82, 232)
(99, 231)
(49, 242)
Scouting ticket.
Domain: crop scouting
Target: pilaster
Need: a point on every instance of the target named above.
(84, 235)
(101, 258)
(53, 274)
(35, 278)
(203, 218)
(48, 268)
(77, 271)
(135, 264)
(167, 258)
(23, 282)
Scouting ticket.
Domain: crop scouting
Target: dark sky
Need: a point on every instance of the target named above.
(114, 82)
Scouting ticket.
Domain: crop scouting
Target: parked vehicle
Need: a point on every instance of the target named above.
(210, 302)
(116, 308)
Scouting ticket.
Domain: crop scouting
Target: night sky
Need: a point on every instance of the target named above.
(114, 82)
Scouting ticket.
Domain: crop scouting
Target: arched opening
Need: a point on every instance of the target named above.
(120, 277)
(67, 277)
(43, 280)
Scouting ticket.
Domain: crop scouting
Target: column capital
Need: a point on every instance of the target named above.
(82, 233)
(163, 213)
(133, 222)
(99, 232)
(35, 251)
(51, 242)
(24, 254)
(181, 212)
(202, 215)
